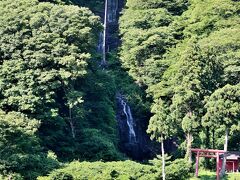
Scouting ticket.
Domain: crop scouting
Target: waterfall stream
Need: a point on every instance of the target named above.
(110, 17)
(129, 120)
(133, 140)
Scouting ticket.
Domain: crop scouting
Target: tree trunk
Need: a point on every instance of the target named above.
(213, 139)
(224, 156)
(163, 159)
(71, 123)
(72, 129)
(207, 145)
(189, 141)
(189, 146)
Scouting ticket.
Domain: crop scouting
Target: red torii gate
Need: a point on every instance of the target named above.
(208, 153)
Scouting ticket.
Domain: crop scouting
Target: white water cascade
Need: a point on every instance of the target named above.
(110, 16)
(129, 119)
(104, 38)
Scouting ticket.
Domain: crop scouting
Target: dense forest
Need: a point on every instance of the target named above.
(172, 76)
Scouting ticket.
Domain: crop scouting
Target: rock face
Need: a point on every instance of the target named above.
(134, 141)
(114, 8)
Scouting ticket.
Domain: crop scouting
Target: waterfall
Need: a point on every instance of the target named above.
(133, 140)
(110, 16)
(129, 120)
(104, 38)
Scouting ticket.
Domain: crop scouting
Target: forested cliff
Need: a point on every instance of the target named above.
(172, 76)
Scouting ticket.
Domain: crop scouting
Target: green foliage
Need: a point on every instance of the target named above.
(223, 108)
(97, 6)
(161, 125)
(109, 170)
(174, 6)
(20, 147)
(177, 170)
(145, 20)
(211, 175)
(204, 17)
(145, 38)
(142, 51)
(204, 60)
(95, 144)
(43, 56)
(13, 176)
(53, 96)
(48, 72)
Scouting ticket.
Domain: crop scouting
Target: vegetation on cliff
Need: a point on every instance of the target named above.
(178, 65)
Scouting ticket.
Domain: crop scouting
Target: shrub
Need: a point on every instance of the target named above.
(110, 170)
(12, 176)
(177, 170)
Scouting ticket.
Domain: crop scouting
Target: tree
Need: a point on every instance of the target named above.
(183, 88)
(176, 7)
(196, 68)
(188, 89)
(161, 127)
(146, 38)
(45, 50)
(20, 148)
(223, 110)
(74, 98)
(185, 84)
